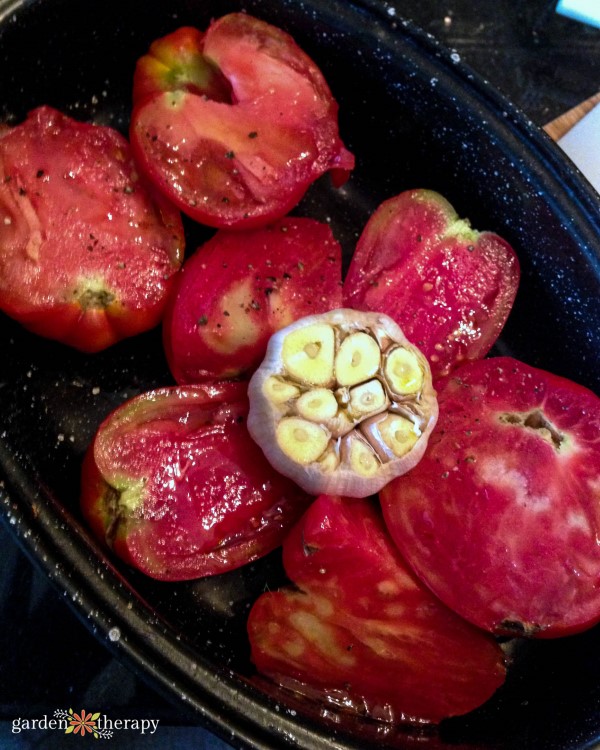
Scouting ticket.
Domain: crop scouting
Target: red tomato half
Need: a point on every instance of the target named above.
(240, 123)
(176, 486)
(501, 517)
(449, 287)
(241, 287)
(361, 631)
(87, 251)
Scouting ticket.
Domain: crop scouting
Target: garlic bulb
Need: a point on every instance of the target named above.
(342, 403)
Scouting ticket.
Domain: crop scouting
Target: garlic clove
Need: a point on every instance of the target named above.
(307, 354)
(367, 399)
(301, 440)
(357, 359)
(360, 456)
(317, 405)
(403, 372)
(279, 391)
(392, 435)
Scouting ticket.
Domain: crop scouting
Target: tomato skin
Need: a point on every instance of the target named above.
(245, 161)
(361, 626)
(241, 287)
(176, 62)
(501, 517)
(449, 287)
(88, 252)
(175, 485)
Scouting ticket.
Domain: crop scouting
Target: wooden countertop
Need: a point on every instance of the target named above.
(562, 124)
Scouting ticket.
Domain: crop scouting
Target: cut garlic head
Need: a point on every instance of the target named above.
(342, 403)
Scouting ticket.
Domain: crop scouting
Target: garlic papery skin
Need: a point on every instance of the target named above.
(342, 403)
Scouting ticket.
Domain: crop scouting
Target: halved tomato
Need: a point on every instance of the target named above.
(360, 632)
(176, 486)
(88, 251)
(241, 287)
(501, 517)
(240, 123)
(448, 286)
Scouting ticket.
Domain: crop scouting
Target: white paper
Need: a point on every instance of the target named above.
(582, 145)
(587, 11)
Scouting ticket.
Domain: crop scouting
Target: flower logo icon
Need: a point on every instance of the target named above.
(82, 722)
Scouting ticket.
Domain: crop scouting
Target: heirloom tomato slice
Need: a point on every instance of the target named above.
(241, 287)
(233, 125)
(501, 517)
(176, 486)
(360, 631)
(88, 252)
(449, 287)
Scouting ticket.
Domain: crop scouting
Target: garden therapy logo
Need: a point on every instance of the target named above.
(85, 723)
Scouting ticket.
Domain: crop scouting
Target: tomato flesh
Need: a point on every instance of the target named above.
(359, 629)
(449, 287)
(501, 518)
(241, 287)
(87, 251)
(176, 486)
(244, 161)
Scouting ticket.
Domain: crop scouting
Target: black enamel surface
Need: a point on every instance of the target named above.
(415, 116)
